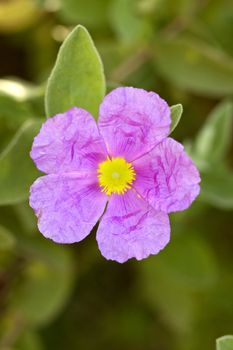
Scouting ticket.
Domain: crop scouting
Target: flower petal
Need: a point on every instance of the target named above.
(131, 228)
(68, 142)
(67, 206)
(132, 121)
(166, 177)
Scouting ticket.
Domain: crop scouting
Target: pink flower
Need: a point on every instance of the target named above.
(125, 170)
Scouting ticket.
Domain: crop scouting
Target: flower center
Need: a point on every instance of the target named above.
(115, 175)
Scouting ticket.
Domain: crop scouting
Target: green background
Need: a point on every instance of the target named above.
(70, 297)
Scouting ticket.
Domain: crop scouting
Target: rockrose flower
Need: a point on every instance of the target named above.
(123, 171)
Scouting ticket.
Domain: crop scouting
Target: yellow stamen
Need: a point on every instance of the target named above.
(115, 175)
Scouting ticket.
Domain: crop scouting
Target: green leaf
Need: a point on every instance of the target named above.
(217, 187)
(7, 240)
(46, 282)
(176, 113)
(17, 171)
(77, 78)
(225, 343)
(194, 66)
(214, 139)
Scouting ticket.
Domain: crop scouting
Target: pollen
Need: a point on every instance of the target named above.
(115, 175)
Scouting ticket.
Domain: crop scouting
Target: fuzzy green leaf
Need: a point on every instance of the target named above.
(176, 113)
(77, 78)
(225, 343)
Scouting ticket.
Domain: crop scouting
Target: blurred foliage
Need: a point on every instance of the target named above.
(59, 297)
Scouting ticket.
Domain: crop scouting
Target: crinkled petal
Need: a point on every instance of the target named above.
(132, 121)
(131, 228)
(167, 178)
(67, 206)
(68, 142)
